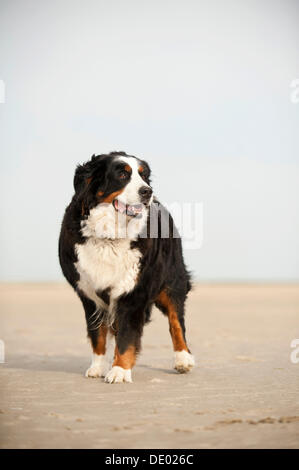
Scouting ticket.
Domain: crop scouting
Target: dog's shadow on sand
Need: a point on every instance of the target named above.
(59, 363)
(157, 369)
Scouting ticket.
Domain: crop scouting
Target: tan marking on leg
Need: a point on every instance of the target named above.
(101, 343)
(125, 360)
(175, 328)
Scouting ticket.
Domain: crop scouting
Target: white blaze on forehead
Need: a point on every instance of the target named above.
(130, 194)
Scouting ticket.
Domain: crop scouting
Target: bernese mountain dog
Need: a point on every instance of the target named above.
(120, 250)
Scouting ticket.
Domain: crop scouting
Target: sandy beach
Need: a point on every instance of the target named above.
(243, 392)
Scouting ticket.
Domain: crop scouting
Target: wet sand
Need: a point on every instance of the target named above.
(243, 392)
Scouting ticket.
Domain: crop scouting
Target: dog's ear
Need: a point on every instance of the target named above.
(82, 174)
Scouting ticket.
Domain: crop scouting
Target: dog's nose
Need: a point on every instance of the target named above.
(145, 192)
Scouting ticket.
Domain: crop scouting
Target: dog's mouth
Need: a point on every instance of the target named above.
(132, 210)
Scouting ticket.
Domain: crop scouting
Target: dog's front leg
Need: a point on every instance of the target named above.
(129, 327)
(122, 366)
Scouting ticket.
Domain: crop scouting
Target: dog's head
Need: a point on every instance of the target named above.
(117, 180)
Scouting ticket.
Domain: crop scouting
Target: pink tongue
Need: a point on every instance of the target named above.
(134, 209)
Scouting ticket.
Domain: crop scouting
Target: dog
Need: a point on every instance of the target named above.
(121, 258)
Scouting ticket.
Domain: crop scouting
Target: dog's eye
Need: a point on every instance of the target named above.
(143, 176)
(123, 175)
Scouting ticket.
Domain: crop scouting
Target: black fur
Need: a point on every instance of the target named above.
(162, 265)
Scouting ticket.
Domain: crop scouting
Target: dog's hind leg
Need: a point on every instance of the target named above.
(184, 361)
(100, 338)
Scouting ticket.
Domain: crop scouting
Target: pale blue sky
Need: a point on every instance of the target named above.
(201, 89)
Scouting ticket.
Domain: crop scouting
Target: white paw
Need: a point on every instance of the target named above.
(118, 374)
(183, 361)
(99, 366)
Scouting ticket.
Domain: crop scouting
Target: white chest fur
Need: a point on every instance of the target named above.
(104, 263)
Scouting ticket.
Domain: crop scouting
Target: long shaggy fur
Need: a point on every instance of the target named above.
(119, 280)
